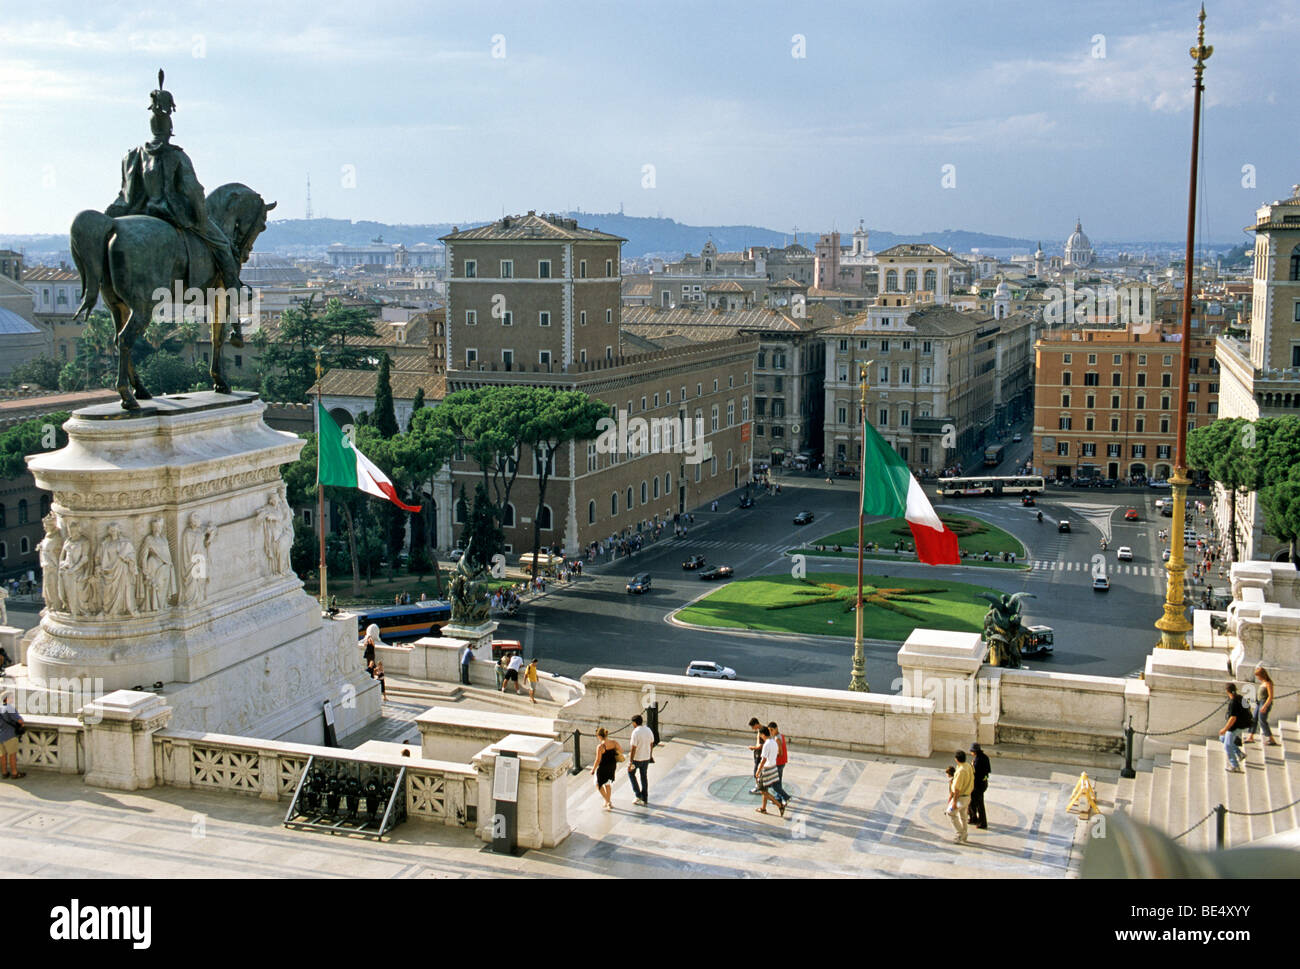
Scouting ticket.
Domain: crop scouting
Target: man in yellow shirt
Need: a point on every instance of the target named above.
(959, 791)
(530, 677)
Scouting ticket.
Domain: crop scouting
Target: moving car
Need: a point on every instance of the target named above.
(1028, 501)
(1016, 439)
(1038, 641)
(1100, 584)
(455, 554)
(803, 518)
(1131, 515)
(710, 670)
(1158, 484)
(1164, 556)
(1063, 526)
(639, 583)
(717, 572)
(694, 562)
(1124, 554)
(746, 502)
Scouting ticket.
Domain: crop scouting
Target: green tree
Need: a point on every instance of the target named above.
(552, 418)
(39, 371)
(481, 537)
(416, 404)
(304, 556)
(1231, 451)
(385, 416)
(1280, 503)
(35, 436)
(288, 363)
(164, 372)
(95, 362)
(418, 456)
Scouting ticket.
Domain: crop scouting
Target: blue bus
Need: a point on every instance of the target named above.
(404, 622)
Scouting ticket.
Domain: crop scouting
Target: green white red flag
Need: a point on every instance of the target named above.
(340, 464)
(889, 489)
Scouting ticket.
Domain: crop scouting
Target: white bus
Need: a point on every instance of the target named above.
(1030, 484)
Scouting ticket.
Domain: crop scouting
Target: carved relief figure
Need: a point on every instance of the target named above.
(50, 549)
(156, 569)
(274, 524)
(76, 574)
(194, 560)
(117, 573)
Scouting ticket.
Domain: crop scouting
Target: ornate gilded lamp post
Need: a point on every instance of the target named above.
(1173, 625)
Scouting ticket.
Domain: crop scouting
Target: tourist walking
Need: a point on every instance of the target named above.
(981, 768)
(757, 749)
(1263, 706)
(640, 756)
(959, 791)
(782, 757)
(765, 773)
(512, 672)
(530, 677)
(10, 726)
(466, 658)
(608, 755)
(1238, 720)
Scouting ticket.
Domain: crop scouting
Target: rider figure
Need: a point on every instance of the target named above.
(158, 179)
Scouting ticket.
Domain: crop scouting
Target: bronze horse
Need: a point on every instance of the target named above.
(135, 259)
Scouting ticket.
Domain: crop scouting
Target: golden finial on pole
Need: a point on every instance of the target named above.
(858, 677)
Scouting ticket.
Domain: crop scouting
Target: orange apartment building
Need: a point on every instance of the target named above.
(1105, 400)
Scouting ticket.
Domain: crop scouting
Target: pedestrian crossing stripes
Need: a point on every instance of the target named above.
(1040, 565)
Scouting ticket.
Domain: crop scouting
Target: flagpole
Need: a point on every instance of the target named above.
(320, 491)
(858, 679)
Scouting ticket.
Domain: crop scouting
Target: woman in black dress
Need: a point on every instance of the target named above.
(608, 754)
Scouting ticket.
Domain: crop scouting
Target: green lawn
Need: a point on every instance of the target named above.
(894, 607)
(975, 536)
(1019, 565)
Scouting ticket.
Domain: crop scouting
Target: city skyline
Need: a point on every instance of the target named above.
(426, 124)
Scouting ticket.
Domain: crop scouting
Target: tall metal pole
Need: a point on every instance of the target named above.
(858, 679)
(320, 492)
(1173, 625)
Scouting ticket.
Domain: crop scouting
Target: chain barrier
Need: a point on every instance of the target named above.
(1196, 825)
(1260, 814)
(1169, 733)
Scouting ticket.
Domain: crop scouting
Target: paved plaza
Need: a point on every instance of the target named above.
(851, 816)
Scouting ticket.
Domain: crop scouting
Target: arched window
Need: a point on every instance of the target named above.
(613, 503)
(591, 512)
(656, 487)
(729, 459)
(24, 545)
(630, 503)
(2, 514)
(644, 492)
(4, 551)
(45, 505)
(891, 281)
(508, 516)
(22, 511)
(909, 281)
(544, 518)
(668, 484)
(931, 280)
(1295, 264)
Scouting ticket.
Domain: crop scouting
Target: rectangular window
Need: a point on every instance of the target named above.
(884, 374)
(1088, 450)
(1142, 359)
(471, 358)
(1063, 423)
(471, 317)
(1115, 359)
(609, 267)
(609, 316)
(543, 318)
(884, 346)
(1089, 423)
(1090, 380)
(544, 357)
(1065, 378)
(471, 269)
(884, 417)
(582, 356)
(1065, 400)
(925, 346)
(904, 418)
(1063, 449)
(507, 269)
(1113, 451)
(508, 358)
(925, 375)
(508, 318)
(582, 317)
(1115, 379)
(1141, 402)
(1139, 450)
(1162, 451)
(1114, 401)
(1092, 401)
(1165, 380)
(1142, 380)
(544, 269)
(1139, 425)
(582, 269)
(1067, 358)
(1092, 362)
(907, 344)
(905, 375)
(1169, 360)
(1114, 424)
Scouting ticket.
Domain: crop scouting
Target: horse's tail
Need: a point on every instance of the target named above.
(89, 237)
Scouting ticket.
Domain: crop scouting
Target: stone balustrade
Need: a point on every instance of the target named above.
(52, 743)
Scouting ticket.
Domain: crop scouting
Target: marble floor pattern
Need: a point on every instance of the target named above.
(851, 816)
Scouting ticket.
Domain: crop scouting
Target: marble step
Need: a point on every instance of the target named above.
(1176, 812)
(1197, 797)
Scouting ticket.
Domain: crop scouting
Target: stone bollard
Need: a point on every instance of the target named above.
(119, 738)
(543, 768)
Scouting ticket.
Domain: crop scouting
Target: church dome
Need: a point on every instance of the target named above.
(1003, 291)
(1078, 250)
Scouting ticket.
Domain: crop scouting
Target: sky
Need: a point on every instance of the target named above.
(1006, 117)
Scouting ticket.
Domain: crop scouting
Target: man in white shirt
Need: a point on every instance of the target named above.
(769, 784)
(640, 753)
(512, 673)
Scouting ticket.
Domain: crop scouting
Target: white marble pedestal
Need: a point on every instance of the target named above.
(173, 537)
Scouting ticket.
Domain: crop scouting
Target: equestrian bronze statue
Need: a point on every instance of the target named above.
(162, 236)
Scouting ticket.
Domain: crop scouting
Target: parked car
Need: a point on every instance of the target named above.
(1028, 501)
(1100, 584)
(1124, 554)
(1063, 526)
(455, 554)
(1158, 484)
(1039, 640)
(746, 502)
(639, 583)
(1131, 515)
(1016, 439)
(694, 562)
(803, 518)
(1108, 482)
(710, 670)
(717, 572)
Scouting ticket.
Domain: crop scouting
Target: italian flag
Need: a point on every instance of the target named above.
(889, 489)
(338, 463)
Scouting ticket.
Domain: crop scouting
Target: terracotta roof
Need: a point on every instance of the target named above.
(817, 293)
(789, 283)
(47, 274)
(730, 286)
(361, 383)
(913, 249)
(639, 291)
(532, 226)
